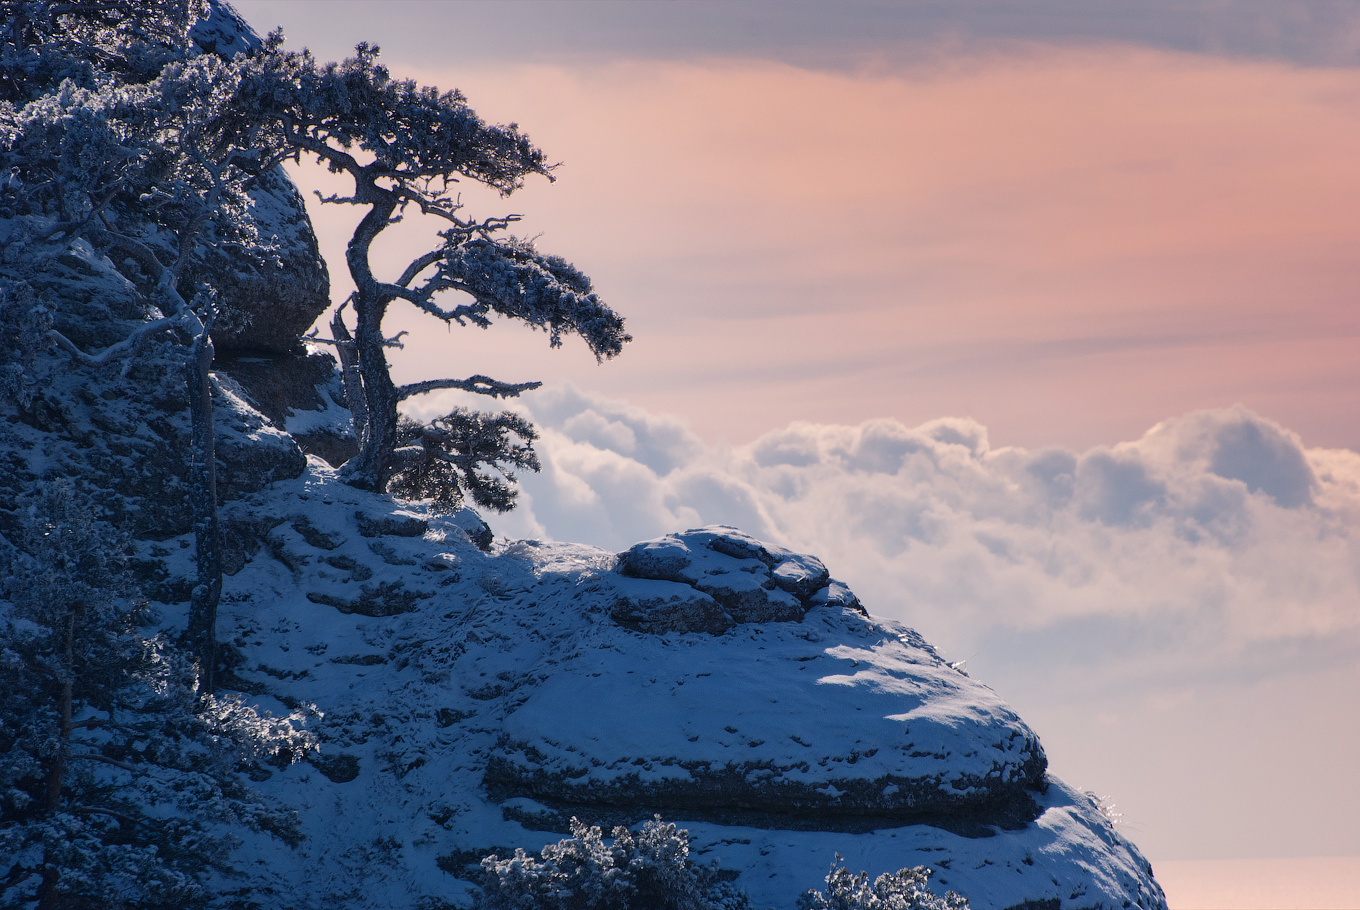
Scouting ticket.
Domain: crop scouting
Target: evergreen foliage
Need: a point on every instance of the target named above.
(405, 147)
(118, 779)
(463, 455)
(905, 889)
(649, 870)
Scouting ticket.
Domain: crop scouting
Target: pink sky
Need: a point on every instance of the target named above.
(1065, 244)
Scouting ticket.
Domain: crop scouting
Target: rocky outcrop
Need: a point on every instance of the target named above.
(121, 430)
(301, 393)
(712, 579)
(270, 292)
(483, 699)
(858, 724)
(269, 295)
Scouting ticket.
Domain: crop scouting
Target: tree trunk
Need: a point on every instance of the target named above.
(372, 467)
(202, 631)
(56, 771)
(380, 400)
(349, 375)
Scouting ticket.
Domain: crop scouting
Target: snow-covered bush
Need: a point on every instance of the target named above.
(24, 327)
(649, 870)
(905, 889)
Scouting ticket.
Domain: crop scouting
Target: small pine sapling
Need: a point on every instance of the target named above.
(649, 870)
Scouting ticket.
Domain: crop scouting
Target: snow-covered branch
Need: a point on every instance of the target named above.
(480, 385)
(119, 351)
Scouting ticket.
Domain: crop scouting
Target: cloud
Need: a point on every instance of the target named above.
(1217, 530)
(844, 36)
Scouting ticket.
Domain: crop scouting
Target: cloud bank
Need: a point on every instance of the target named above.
(1218, 528)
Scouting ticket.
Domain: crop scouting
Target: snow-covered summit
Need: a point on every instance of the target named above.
(475, 701)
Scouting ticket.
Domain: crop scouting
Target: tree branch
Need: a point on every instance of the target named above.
(123, 348)
(92, 756)
(479, 385)
(91, 810)
(417, 266)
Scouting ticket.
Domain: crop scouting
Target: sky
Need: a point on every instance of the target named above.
(1035, 321)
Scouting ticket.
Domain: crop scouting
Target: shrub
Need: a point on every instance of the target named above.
(904, 889)
(649, 870)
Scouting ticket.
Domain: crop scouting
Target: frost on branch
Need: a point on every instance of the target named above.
(512, 279)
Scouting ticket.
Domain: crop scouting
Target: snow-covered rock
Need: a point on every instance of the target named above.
(804, 715)
(300, 393)
(269, 296)
(502, 695)
(713, 578)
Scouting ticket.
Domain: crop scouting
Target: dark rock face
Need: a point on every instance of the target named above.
(382, 599)
(759, 795)
(272, 296)
(300, 393)
(710, 579)
(390, 524)
(124, 437)
(477, 531)
(253, 454)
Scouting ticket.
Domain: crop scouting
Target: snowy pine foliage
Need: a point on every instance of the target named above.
(905, 889)
(405, 147)
(649, 870)
(463, 455)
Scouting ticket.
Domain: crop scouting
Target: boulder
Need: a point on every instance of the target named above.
(837, 722)
(710, 579)
(300, 393)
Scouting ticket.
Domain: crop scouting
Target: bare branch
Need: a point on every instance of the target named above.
(96, 757)
(92, 810)
(474, 313)
(419, 265)
(350, 375)
(333, 197)
(122, 349)
(479, 385)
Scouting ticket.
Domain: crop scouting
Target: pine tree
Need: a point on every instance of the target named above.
(405, 147)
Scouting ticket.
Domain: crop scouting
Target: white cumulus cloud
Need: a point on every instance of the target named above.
(1219, 527)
